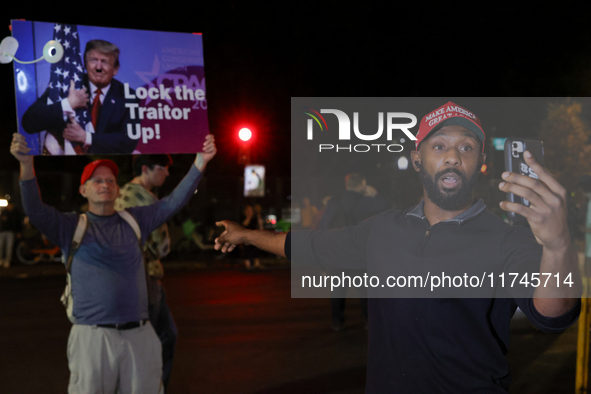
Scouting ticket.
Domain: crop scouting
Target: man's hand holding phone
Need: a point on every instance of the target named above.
(547, 217)
(547, 213)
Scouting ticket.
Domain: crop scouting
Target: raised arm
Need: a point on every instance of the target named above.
(55, 225)
(235, 234)
(19, 149)
(209, 151)
(547, 216)
(152, 216)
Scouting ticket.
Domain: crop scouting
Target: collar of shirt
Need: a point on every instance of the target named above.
(470, 213)
(93, 89)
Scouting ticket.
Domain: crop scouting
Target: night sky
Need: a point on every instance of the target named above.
(258, 56)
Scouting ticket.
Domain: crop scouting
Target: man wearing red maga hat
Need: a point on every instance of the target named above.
(112, 346)
(449, 114)
(447, 345)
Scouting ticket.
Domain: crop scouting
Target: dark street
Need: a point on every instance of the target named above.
(239, 332)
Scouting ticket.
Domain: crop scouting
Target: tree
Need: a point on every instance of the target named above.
(567, 149)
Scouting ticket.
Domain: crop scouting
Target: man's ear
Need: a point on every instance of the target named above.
(82, 190)
(415, 159)
(145, 169)
(482, 158)
(116, 70)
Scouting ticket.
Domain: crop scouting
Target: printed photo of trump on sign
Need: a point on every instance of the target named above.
(114, 91)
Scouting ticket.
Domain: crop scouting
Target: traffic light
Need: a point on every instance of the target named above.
(244, 134)
(245, 139)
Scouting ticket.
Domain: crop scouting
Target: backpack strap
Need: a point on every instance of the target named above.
(128, 217)
(77, 239)
(66, 297)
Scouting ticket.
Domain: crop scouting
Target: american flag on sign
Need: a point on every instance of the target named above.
(70, 67)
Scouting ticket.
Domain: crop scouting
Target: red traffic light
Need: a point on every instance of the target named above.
(244, 134)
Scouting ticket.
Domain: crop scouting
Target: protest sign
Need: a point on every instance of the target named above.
(151, 90)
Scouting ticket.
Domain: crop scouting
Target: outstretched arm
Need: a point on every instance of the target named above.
(547, 216)
(235, 234)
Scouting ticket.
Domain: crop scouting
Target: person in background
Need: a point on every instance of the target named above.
(151, 172)
(253, 221)
(316, 220)
(358, 202)
(308, 213)
(10, 225)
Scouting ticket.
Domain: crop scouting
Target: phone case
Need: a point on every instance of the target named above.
(514, 162)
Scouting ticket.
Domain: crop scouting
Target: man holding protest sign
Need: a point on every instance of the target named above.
(112, 345)
(103, 97)
(444, 345)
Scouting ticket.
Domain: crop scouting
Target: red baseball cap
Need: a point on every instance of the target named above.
(89, 169)
(447, 115)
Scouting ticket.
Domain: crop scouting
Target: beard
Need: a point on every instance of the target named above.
(451, 199)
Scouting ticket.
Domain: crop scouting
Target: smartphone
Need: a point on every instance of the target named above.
(514, 162)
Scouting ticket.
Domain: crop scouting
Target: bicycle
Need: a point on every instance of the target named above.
(30, 252)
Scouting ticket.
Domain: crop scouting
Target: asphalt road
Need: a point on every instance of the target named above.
(240, 332)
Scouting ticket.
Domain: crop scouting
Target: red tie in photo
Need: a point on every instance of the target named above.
(94, 114)
(96, 108)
